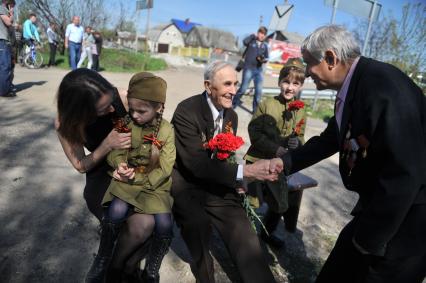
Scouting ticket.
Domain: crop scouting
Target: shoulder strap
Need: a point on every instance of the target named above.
(245, 51)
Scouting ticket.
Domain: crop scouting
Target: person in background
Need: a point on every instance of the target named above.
(30, 32)
(97, 50)
(6, 16)
(275, 128)
(73, 39)
(88, 43)
(52, 37)
(255, 56)
(19, 42)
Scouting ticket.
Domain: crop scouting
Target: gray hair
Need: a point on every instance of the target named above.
(332, 37)
(214, 67)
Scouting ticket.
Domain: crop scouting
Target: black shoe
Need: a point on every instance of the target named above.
(9, 94)
(272, 240)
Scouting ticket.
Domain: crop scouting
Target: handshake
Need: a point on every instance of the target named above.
(264, 170)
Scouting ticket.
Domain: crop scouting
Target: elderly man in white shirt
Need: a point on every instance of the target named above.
(73, 39)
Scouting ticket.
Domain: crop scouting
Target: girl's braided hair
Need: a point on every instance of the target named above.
(155, 151)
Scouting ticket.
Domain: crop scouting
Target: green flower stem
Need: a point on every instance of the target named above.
(251, 214)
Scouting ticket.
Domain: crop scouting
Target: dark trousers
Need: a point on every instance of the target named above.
(97, 182)
(52, 61)
(95, 59)
(195, 220)
(346, 264)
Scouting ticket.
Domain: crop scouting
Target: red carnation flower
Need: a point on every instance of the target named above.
(224, 145)
(296, 105)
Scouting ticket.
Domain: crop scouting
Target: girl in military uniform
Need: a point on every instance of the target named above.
(275, 128)
(141, 179)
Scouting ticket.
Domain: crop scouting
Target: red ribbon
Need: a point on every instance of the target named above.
(153, 140)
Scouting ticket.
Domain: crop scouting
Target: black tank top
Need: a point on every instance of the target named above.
(96, 132)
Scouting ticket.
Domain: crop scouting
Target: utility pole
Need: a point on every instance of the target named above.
(138, 13)
(333, 15)
(260, 20)
(147, 29)
(370, 23)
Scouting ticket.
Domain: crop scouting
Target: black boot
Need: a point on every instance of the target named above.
(99, 266)
(159, 248)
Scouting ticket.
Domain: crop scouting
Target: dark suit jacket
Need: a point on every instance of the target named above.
(193, 123)
(385, 106)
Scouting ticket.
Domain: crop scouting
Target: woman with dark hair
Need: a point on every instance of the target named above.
(87, 104)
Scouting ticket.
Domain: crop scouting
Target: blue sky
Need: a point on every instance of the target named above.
(242, 17)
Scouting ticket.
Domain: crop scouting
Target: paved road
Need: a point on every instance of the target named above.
(48, 235)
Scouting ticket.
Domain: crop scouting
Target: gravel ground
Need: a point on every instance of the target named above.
(48, 235)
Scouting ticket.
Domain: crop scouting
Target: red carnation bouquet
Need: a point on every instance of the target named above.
(224, 145)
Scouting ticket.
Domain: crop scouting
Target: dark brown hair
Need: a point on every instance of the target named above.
(77, 96)
(263, 30)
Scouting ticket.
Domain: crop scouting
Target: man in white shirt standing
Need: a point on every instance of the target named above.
(73, 38)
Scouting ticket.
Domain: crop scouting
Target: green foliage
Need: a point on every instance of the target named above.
(114, 60)
(324, 109)
(399, 42)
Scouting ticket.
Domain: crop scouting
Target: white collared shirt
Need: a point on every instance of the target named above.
(215, 114)
(74, 33)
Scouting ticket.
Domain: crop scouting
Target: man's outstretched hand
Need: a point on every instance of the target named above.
(260, 170)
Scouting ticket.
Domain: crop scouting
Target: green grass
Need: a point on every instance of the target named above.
(324, 109)
(114, 60)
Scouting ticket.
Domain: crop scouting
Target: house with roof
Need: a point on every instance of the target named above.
(286, 36)
(206, 37)
(162, 38)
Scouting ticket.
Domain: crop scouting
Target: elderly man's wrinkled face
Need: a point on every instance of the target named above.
(222, 87)
(318, 71)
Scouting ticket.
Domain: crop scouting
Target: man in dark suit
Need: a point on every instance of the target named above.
(379, 130)
(205, 190)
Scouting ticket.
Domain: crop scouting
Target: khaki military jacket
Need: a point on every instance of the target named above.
(148, 192)
(271, 126)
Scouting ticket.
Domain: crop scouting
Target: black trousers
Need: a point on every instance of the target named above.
(52, 61)
(97, 183)
(346, 264)
(95, 65)
(196, 219)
